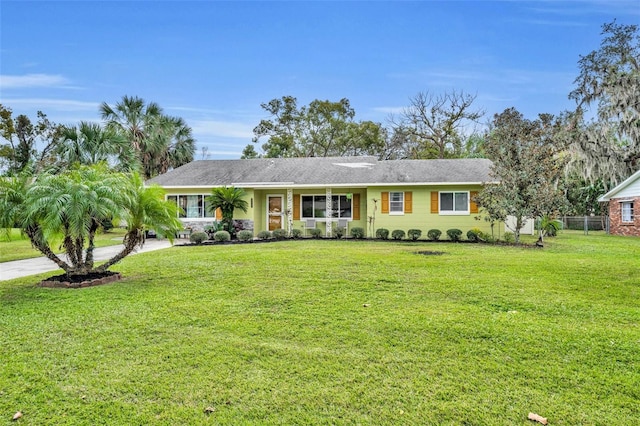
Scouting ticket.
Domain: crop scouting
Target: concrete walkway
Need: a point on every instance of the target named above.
(37, 265)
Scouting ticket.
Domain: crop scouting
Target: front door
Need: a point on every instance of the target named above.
(274, 215)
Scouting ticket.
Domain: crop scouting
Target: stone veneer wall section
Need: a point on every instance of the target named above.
(616, 226)
(199, 226)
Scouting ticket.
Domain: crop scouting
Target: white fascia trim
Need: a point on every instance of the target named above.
(609, 195)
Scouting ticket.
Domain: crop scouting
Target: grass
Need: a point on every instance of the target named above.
(334, 332)
(15, 246)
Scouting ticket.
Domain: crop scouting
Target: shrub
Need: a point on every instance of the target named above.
(414, 234)
(222, 236)
(198, 237)
(454, 234)
(213, 228)
(296, 233)
(264, 235)
(357, 232)
(279, 234)
(382, 233)
(549, 226)
(315, 232)
(339, 232)
(434, 234)
(397, 234)
(509, 237)
(474, 235)
(245, 235)
(487, 238)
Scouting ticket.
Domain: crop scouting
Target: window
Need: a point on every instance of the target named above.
(454, 202)
(627, 211)
(396, 202)
(315, 206)
(192, 206)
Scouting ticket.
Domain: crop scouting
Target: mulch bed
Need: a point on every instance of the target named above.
(80, 281)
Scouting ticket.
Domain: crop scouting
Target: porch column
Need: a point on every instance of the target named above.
(289, 211)
(329, 213)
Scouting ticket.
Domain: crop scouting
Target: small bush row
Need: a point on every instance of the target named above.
(454, 234)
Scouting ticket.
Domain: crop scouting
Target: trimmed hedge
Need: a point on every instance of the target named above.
(198, 237)
(414, 234)
(245, 235)
(382, 233)
(264, 235)
(222, 236)
(357, 232)
(279, 234)
(397, 234)
(434, 234)
(454, 234)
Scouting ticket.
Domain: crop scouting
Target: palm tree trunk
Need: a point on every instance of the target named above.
(92, 233)
(35, 236)
(131, 240)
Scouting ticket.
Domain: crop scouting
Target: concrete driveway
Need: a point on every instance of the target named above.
(23, 268)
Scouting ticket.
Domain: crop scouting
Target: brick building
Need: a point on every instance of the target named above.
(624, 207)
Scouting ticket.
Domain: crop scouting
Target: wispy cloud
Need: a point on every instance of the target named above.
(45, 104)
(34, 80)
(227, 129)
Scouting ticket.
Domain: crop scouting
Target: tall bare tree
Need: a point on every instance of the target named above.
(438, 123)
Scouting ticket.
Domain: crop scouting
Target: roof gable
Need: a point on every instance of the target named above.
(629, 188)
(325, 171)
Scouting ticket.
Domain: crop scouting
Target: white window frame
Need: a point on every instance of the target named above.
(454, 212)
(202, 214)
(396, 204)
(324, 204)
(626, 211)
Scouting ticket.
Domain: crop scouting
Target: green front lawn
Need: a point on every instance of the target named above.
(334, 332)
(15, 246)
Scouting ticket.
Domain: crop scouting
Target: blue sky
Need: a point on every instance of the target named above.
(213, 63)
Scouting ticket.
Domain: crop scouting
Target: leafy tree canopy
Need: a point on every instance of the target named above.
(19, 153)
(528, 161)
(608, 146)
(321, 129)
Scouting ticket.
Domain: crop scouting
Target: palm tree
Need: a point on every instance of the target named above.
(90, 143)
(173, 146)
(159, 141)
(145, 208)
(227, 199)
(13, 190)
(69, 207)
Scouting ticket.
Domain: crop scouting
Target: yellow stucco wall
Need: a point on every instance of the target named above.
(421, 216)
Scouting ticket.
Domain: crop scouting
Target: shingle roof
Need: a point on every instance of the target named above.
(325, 171)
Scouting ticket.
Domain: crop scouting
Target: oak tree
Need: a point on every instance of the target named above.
(528, 164)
